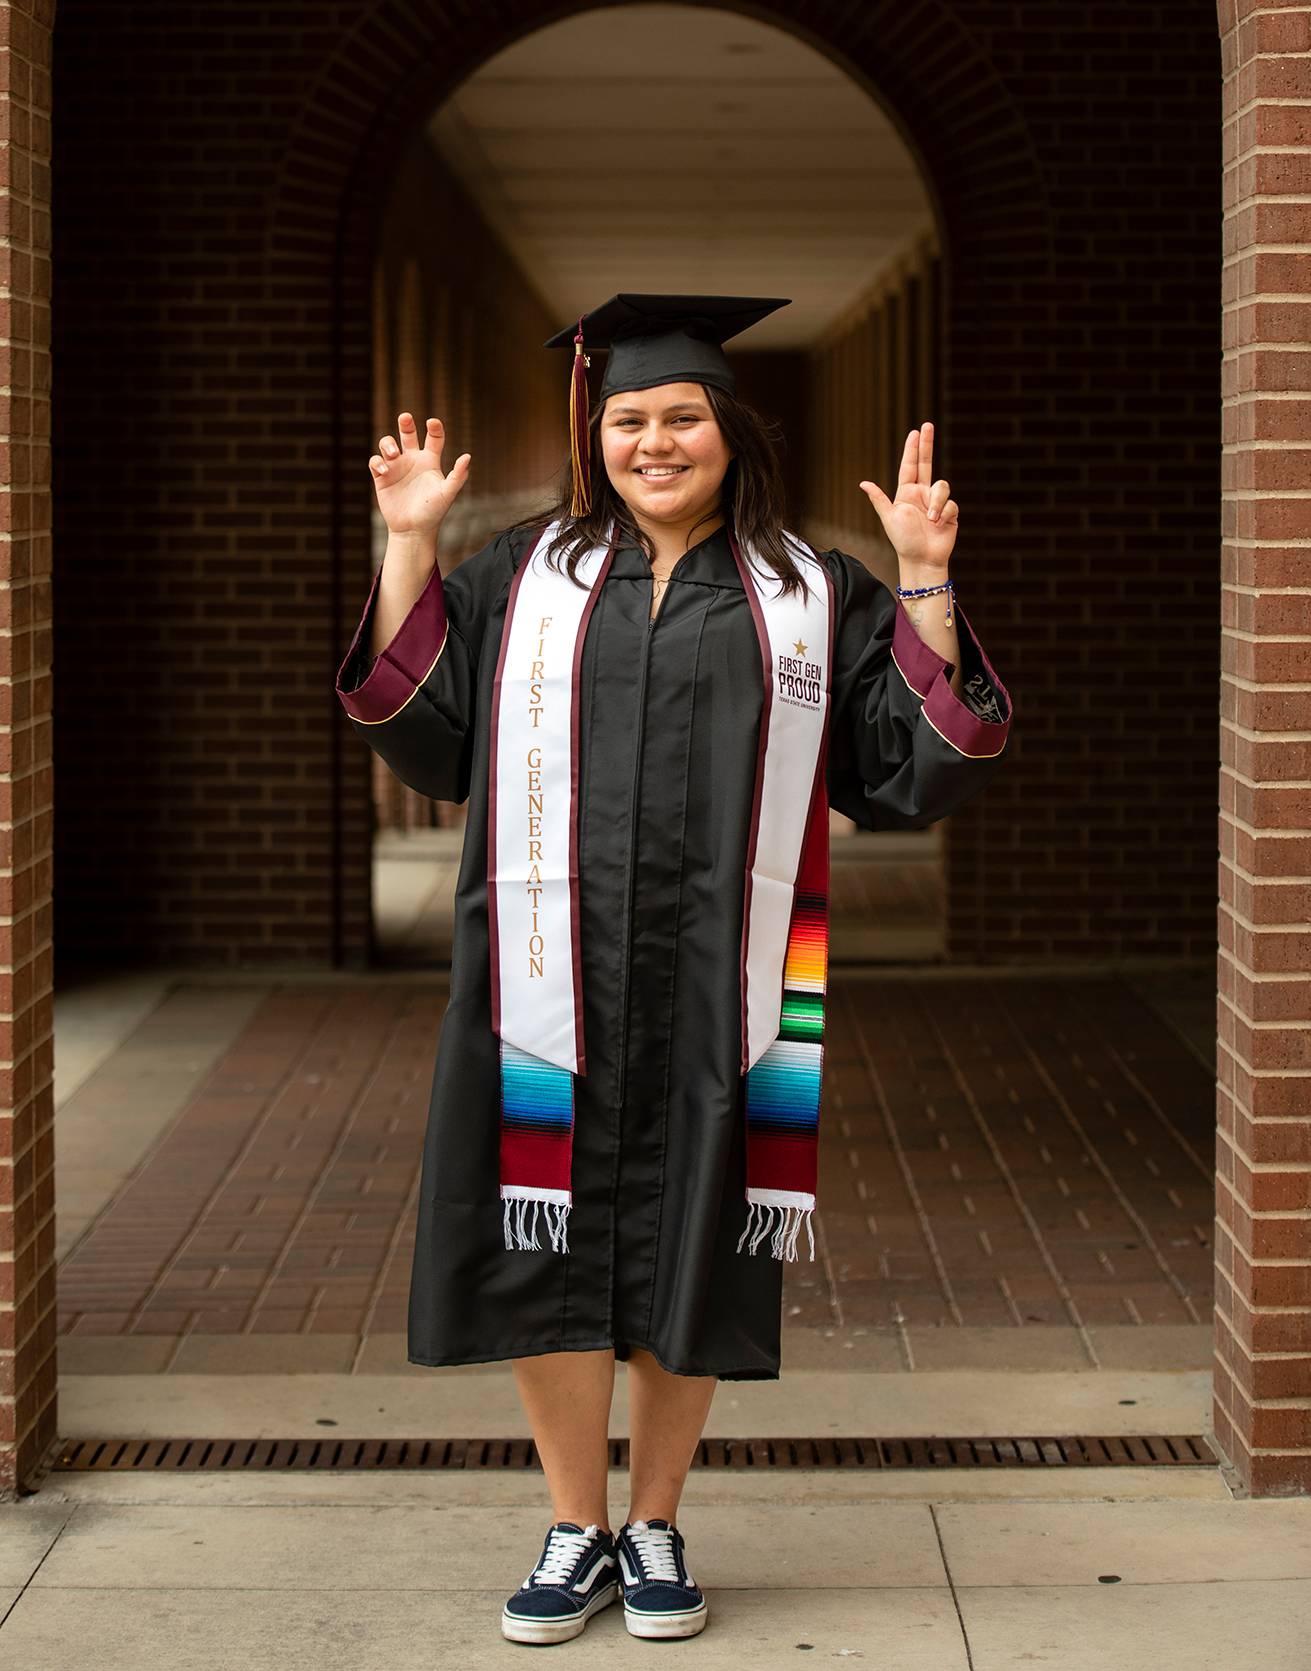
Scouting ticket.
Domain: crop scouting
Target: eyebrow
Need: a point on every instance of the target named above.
(675, 406)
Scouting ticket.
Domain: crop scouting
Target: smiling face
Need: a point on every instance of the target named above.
(664, 451)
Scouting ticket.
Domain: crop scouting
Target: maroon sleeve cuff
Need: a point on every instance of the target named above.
(403, 665)
(925, 671)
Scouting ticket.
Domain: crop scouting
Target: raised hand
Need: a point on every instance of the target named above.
(921, 521)
(413, 493)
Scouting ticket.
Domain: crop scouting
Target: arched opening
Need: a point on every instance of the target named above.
(520, 203)
(1028, 295)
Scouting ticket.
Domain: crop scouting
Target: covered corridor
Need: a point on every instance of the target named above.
(1066, 1128)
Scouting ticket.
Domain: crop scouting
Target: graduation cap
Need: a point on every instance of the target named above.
(652, 340)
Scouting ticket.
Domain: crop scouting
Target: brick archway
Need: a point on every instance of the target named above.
(1081, 410)
(992, 205)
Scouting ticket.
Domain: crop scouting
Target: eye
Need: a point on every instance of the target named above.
(683, 418)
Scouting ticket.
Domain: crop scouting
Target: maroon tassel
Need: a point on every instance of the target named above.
(579, 445)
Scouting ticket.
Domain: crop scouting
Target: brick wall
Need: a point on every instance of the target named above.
(27, 1190)
(217, 221)
(215, 392)
(501, 396)
(1263, 1144)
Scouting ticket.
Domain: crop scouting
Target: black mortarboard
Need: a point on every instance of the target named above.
(651, 340)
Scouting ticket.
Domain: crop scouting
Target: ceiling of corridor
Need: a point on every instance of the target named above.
(678, 148)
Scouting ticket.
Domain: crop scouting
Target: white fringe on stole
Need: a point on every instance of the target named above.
(783, 1242)
(521, 1236)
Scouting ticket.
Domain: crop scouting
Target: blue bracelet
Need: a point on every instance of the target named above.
(928, 591)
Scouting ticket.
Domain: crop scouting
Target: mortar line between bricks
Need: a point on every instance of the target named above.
(1205, 1171)
(160, 1136)
(985, 1130)
(253, 1132)
(387, 1038)
(392, 1244)
(1090, 1148)
(912, 1188)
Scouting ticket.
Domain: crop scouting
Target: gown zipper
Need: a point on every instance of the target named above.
(628, 930)
(632, 849)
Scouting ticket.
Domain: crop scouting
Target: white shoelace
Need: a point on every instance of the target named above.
(655, 1547)
(562, 1551)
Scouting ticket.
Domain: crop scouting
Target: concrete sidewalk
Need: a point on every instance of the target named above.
(1115, 1570)
(1075, 1290)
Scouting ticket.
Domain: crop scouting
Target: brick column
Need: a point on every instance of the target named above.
(1263, 1146)
(27, 1192)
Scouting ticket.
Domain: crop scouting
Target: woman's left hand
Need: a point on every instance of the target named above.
(921, 520)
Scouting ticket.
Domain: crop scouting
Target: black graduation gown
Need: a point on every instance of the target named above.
(670, 713)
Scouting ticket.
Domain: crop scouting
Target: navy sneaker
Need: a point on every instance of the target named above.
(661, 1598)
(575, 1577)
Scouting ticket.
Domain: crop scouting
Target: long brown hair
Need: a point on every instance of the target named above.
(751, 496)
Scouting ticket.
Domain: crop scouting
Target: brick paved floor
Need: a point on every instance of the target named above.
(1005, 1151)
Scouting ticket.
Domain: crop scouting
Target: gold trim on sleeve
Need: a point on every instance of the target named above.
(410, 698)
(966, 752)
(922, 694)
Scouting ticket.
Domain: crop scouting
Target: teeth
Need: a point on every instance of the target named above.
(674, 471)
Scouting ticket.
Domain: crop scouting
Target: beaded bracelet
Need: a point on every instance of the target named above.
(928, 591)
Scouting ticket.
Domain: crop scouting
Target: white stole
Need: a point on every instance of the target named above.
(532, 849)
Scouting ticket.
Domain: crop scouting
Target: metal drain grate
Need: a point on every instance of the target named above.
(1151, 1450)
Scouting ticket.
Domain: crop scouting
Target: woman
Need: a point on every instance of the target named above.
(627, 674)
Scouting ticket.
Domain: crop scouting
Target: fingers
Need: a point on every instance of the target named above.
(907, 471)
(382, 461)
(917, 457)
(389, 449)
(455, 477)
(939, 507)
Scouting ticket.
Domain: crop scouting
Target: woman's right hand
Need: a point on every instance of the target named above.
(414, 494)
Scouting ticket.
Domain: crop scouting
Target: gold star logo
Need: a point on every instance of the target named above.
(799, 647)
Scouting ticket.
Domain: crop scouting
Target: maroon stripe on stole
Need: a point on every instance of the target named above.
(819, 792)
(820, 785)
(783, 1162)
(817, 823)
(493, 943)
(753, 838)
(534, 1159)
(575, 925)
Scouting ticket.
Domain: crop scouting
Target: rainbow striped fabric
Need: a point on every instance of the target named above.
(782, 1095)
(537, 1134)
(783, 1088)
(535, 953)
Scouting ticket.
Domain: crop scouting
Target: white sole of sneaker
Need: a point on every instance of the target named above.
(666, 1624)
(516, 1629)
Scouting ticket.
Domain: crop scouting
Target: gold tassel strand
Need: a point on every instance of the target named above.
(579, 448)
